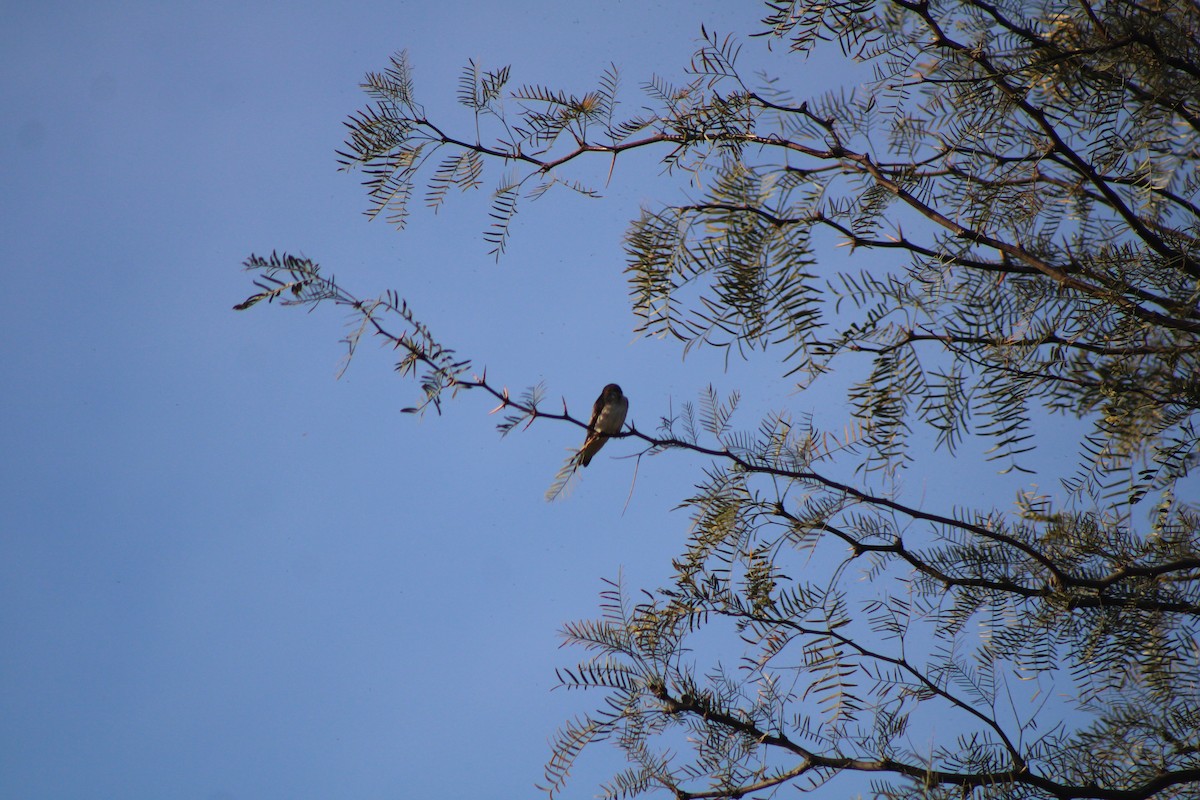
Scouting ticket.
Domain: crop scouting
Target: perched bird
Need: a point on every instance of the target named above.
(608, 415)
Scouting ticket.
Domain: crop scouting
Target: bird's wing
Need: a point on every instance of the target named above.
(597, 407)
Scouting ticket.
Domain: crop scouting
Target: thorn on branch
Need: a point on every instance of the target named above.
(504, 401)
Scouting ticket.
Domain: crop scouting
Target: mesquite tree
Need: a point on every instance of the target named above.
(1023, 175)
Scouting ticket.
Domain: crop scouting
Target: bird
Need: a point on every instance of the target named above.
(608, 415)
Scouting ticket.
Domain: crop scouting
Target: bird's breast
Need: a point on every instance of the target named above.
(612, 416)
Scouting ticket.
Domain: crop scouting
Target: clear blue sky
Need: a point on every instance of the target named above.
(224, 574)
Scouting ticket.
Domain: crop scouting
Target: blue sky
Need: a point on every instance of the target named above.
(223, 573)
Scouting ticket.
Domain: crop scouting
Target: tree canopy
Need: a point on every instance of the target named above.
(1024, 176)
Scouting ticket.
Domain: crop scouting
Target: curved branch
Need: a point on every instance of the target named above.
(307, 286)
(918, 772)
